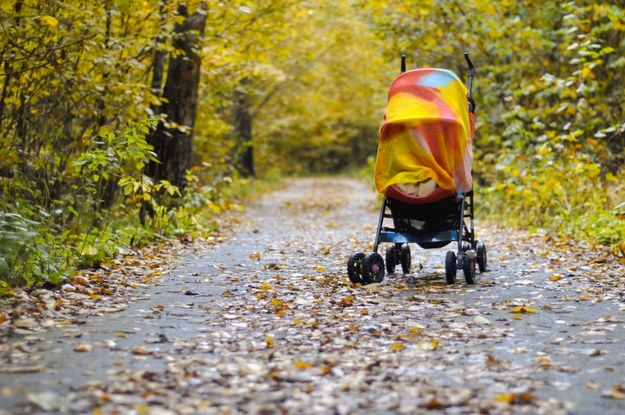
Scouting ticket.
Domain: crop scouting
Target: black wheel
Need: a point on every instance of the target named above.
(482, 258)
(466, 246)
(391, 259)
(373, 268)
(354, 268)
(450, 267)
(405, 258)
(468, 266)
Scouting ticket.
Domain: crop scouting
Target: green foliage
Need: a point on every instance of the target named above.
(27, 254)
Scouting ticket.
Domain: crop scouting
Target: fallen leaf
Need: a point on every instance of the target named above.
(302, 365)
(481, 321)
(140, 351)
(26, 323)
(429, 344)
(522, 398)
(396, 347)
(492, 362)
(346, 301)
(522, 310)
(617, 392)
(255, 255)
(83, 348)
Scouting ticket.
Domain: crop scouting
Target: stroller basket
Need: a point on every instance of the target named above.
(424, 170)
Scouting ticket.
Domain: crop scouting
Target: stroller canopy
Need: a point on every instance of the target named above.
(427, 133)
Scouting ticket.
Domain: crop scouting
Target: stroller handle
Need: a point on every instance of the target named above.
(471, 74)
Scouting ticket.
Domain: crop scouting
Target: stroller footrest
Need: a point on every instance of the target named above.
(426, 237)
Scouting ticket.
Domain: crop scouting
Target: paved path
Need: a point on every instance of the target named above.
(266, 322)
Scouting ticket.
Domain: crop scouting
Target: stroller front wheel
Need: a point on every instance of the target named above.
(373, 268)
(355, 268)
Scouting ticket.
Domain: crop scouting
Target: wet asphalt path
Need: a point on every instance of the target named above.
(265, 321)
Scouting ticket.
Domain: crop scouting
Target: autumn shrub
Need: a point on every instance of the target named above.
(567, 199)
(107, 206)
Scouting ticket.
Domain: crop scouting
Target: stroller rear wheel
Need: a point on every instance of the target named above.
(405, 258)
(355, 269)
(391, 259)
(373, 268)
(468, 266)
(482, 259)
(450, 267)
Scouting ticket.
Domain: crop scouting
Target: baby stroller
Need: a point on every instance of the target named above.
(424, 170)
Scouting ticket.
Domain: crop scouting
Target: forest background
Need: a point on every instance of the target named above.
(126, 121)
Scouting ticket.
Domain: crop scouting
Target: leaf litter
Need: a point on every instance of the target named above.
(282, 330)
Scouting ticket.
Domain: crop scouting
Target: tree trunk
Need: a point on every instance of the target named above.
(244, 153)
(172, 139)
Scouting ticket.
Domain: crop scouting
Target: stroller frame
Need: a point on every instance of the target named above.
(470, 252)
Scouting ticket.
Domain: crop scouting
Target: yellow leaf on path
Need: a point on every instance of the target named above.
(522, 310)
(255, 255)
(514, 398)
(302, 365)
(346, 301)
(555, 278)
(396, 347)
(270, 342)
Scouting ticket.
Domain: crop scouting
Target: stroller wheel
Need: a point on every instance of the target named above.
(354, 268)
(450, 267)
(405, 258)
(391, 259)
(482, 259)
(373, 268)
(468, 266)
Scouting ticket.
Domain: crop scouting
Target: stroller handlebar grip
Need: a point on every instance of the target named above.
(470, 86)
(469, 62)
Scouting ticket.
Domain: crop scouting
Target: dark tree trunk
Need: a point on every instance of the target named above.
(244, 157)
(172, 145)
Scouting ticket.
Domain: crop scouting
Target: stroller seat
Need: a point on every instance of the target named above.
(395, 192)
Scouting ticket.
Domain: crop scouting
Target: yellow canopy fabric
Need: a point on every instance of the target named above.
(427, 133)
